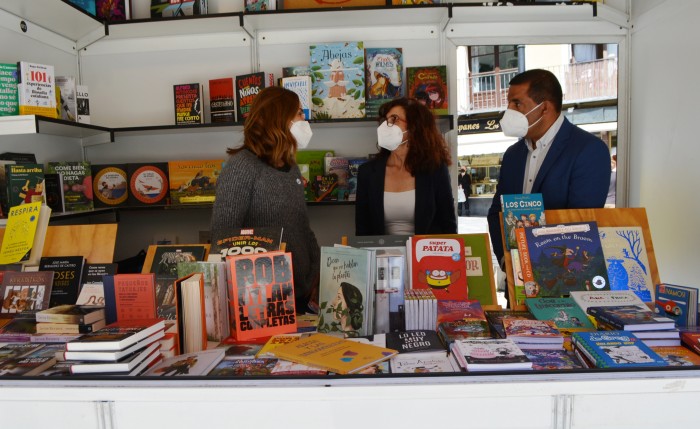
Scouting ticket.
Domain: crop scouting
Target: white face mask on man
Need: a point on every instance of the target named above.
(301, 130)
(390, 137)
(515, 124)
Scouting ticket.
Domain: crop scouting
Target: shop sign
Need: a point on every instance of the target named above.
(477, 126)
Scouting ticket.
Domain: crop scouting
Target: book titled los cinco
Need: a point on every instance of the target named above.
(565, 258)
(346, 291)
(148, 183)
(188, 103)
(222, 104)
(520, 211)
(333, 353)
(110, 185)
(193, 181)
(437, 263)
(116, 336)
(428, 85)
(261, 291)
(338, 80)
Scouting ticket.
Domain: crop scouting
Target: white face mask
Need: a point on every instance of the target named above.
(514, 123)
(301, 130)
(390, 138)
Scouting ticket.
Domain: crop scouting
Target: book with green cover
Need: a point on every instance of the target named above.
(564, 312)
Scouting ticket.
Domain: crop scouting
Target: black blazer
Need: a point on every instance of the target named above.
(435, 207)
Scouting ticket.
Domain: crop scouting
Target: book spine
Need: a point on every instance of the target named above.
(531, 290)
(605, 318)
(60, 318)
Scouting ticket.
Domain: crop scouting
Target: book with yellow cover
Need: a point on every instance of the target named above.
(24, 223)
(332, 353)
(193, 181)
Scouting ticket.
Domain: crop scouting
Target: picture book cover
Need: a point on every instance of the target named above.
(627, 260)
(337, 80)
(487, 354)
(77, 183)
(116, 336)
(315, 159)
(428, 85)
(82, 100)
(25, 291)
(616, 349)
(383, 77)
(36, 89)
(547, 360)
(246, 241)
(222, 101)
(301, 85)
(495, 319)
(188, 103)
(247, 88)
(564, 312)
(68, 102)
(679, 303)
(198, 363)
(25, 183)
(135, 296)
(215, 295)
(9, 104)
(243, 367)
(520, 211)
(326, 188)
(346, 291)
(452, 310)
(113, 10)
(532, 331)
(566, 258)
(449, 331)
(23, 222)
(334, 354)
(631, 318)
(261, 293)
(110, 185)
(268, 349)
(148, 183)
(437, 263)
(422, 363)
(592, 298)
(67, 272)
(677, 356)
(414, 341)
(193, 181)
(178, 8)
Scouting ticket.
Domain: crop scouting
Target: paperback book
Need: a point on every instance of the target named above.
(520, 211)
(490, 355)
(627, 261)
(82, 101)
(248, 86)
(437, 263)
(67, 272)
(71, 313)
(428, 85)
(301, 86)
(414, 341)
(190, 313)
(123, 365)
(676, 302)
(243, 367)
(222, 101)
(36, 89)
(423, 363)
(677, 356)
(68, 103)
(631, 318)
(548, 360)
(117, 336)
(338, 80)
(191, 364)
(564, 312)
(593, 298)
(215, 296)
(77, 183)
(25, 183)
(134, 295)
(25, 292)
(383, 76)
(9, 104)
(188, 103)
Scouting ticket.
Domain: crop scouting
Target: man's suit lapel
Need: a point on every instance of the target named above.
(558, 146)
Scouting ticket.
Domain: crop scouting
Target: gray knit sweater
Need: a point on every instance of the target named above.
(251, 193)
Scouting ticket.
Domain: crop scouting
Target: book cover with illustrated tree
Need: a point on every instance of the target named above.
(77, 184)
(383, 77)
(428, 85)
(565, 258)
(337, 80)
(346, 291)
(627, 260)
(261, 294)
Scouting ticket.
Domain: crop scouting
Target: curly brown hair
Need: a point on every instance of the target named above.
(427, 149)
(266, 130)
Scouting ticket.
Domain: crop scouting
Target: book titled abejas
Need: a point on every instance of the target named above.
(338, 80)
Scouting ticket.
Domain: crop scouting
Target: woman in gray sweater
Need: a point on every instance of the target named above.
(261, 185)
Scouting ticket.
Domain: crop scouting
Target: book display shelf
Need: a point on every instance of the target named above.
(130, 68)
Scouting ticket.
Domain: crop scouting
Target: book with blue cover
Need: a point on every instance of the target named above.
(383, 75)
(631, 318)
(520, 211)
(627, 260)
(679, 303)
(337, 80)
(616, 349)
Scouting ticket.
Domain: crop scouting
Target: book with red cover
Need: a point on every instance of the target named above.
(222, 100)
(148, 183)
(428, 84)
(135, 296)
(437, 263)
(261, 293)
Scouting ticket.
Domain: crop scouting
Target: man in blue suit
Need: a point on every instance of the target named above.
(567, 165)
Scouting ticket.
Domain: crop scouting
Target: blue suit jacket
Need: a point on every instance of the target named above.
(435, 208)
(575, 174)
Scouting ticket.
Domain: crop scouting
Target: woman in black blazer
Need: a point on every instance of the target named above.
(406, 189)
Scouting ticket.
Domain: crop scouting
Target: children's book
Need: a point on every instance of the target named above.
(301, 85)
(423, 363)
(615, 349)
(428, 85)
(627, 261)
(452, 310)
(677, 356)
(245, 241)
(191, 364)
(565, 258)
(77, 183)
(333, 353)
(178, 8)
(148, 183)
(495, 319)
(188, 103)
(113, 10)
(267, 349)
(518, 278)
(338, 80)
(248, 86)
(110, 185)
(9, 104)
(414, 341)
(548, 360)
(564, 312)
(520, 211)
(679, 303)
(383, 77)
(222, 101)
(261, 293)
(346, 291)
(193, 181)
(315, 159)
(532, 331)
(490, 354)
(437, 263)
(593, 298)
(631, 318)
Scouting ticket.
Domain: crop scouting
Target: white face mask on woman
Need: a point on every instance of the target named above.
(301, 130)
(390, 137)
(514, 123)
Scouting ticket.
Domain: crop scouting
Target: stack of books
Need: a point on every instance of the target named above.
(653, 329)
(420, 308)
(460, 319)
(124, 348)
(534, 334)
(495, 320)
(489, 354)
(63, 323)
(26, 359)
